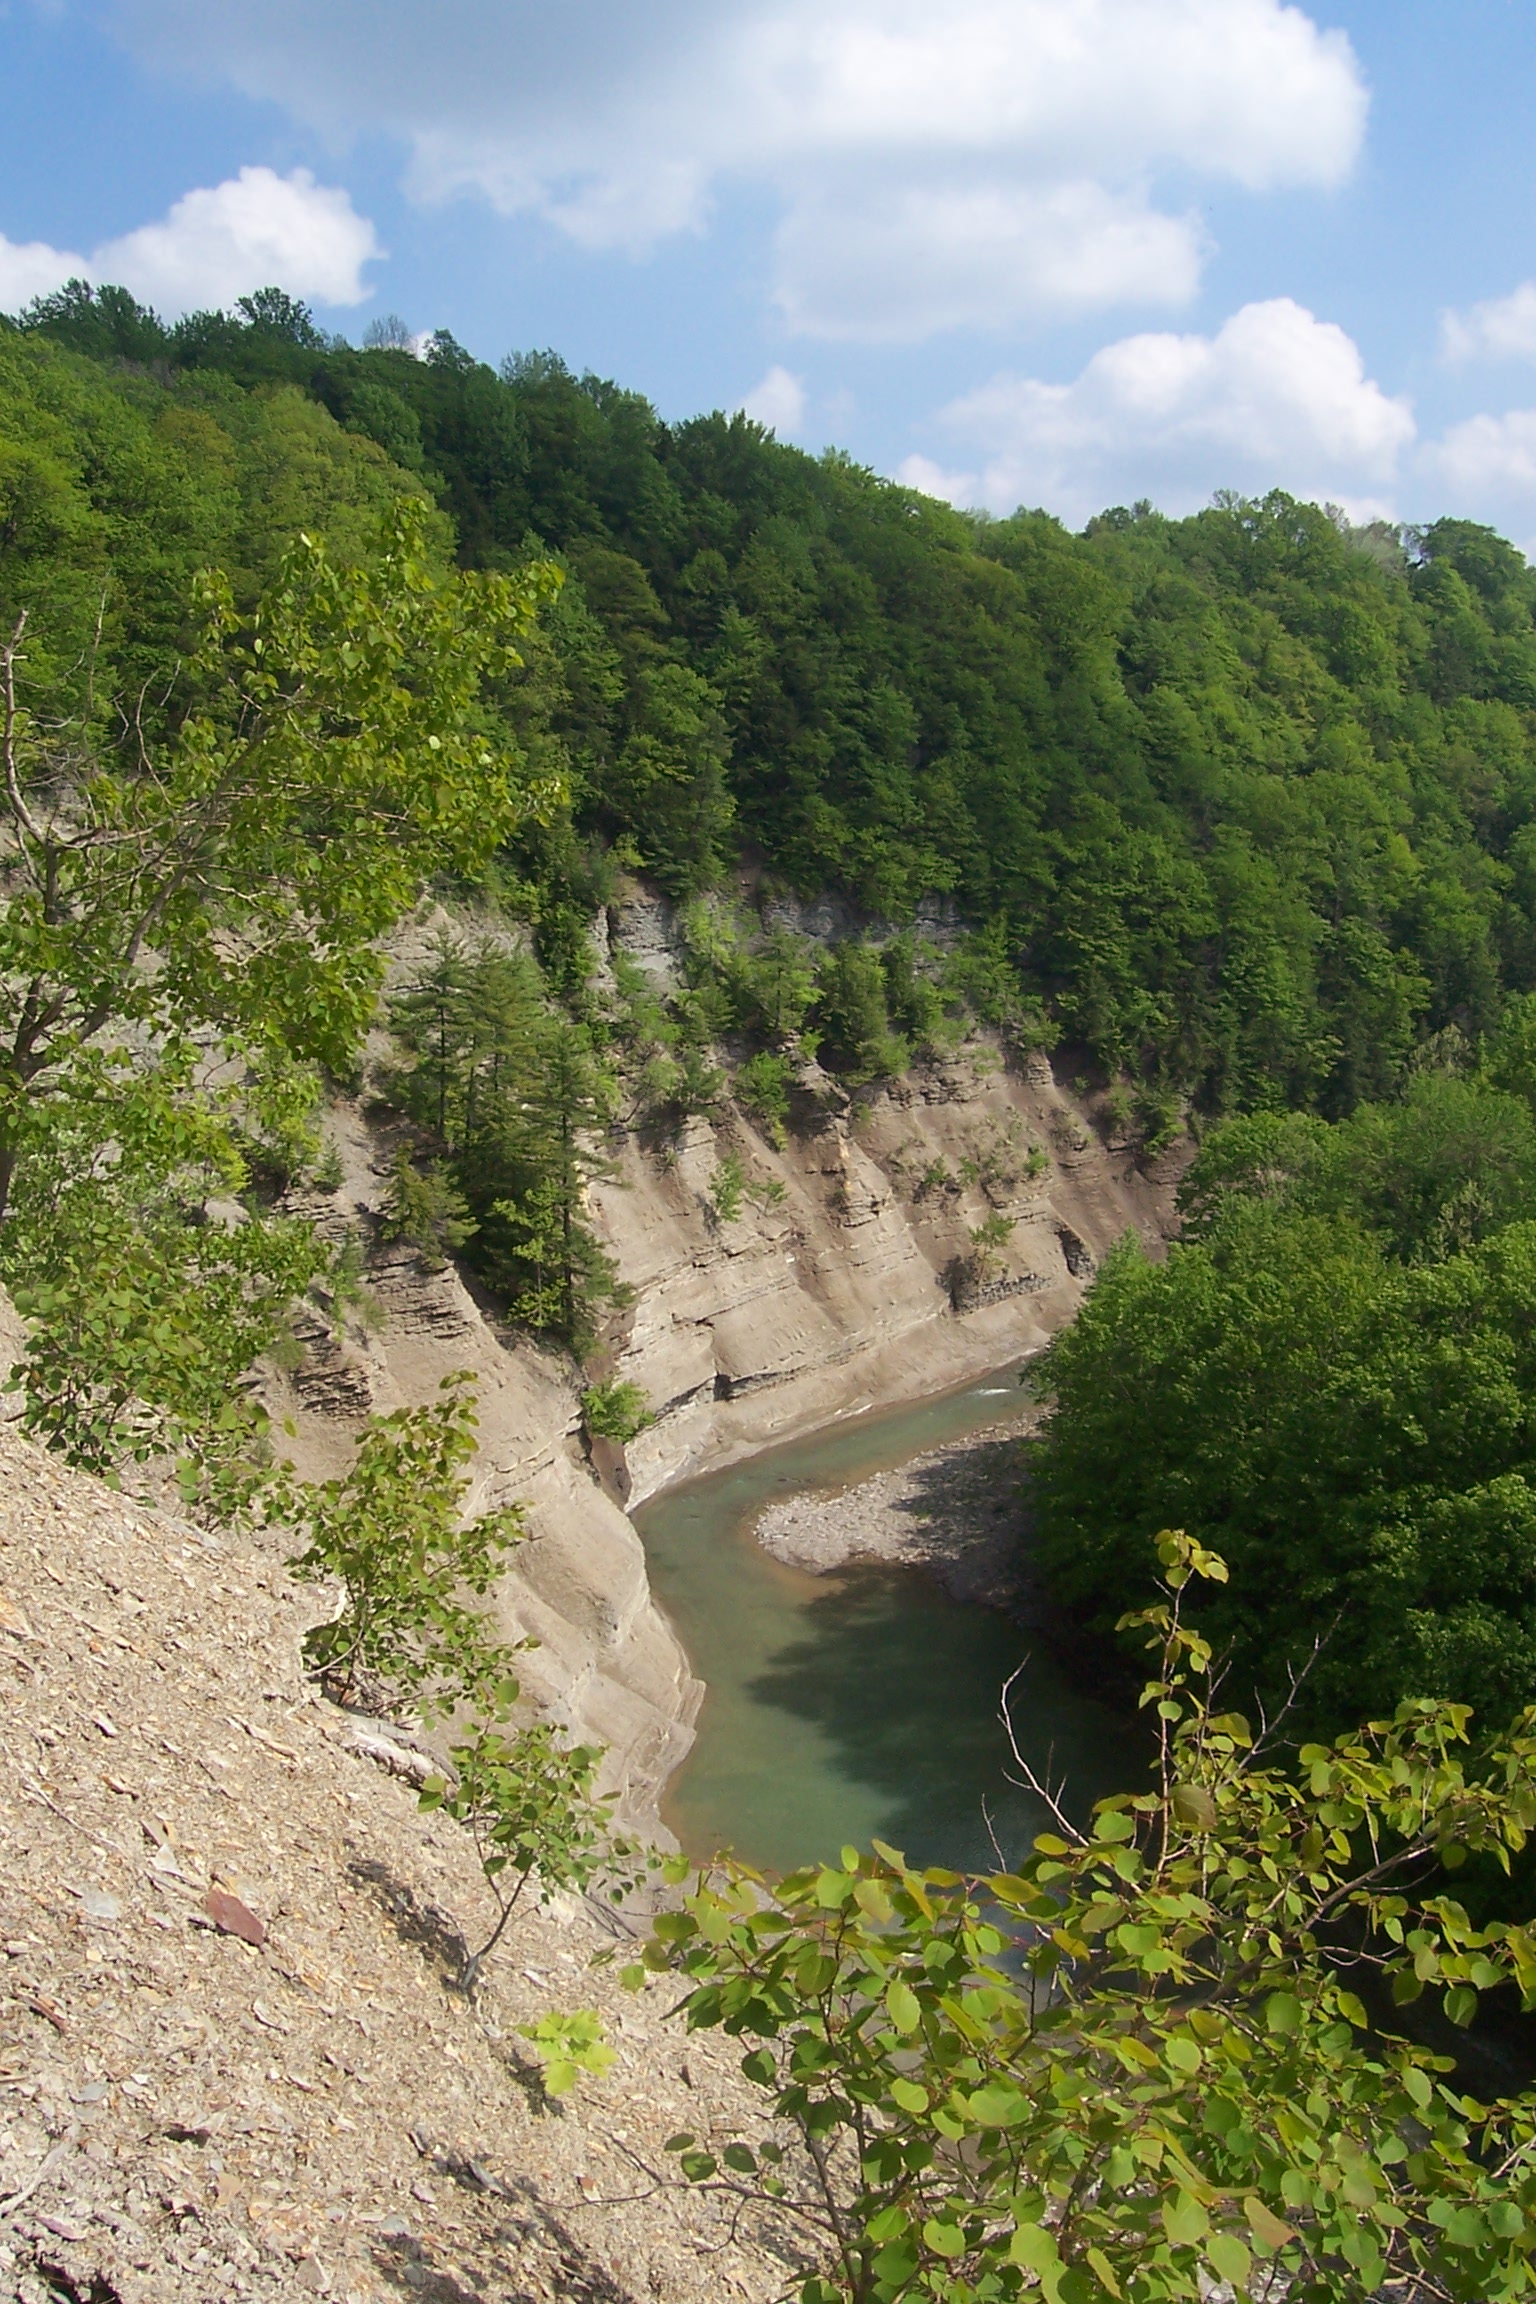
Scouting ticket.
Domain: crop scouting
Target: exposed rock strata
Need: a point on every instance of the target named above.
(835, 1286)
(850, 1276)
(843, 1290)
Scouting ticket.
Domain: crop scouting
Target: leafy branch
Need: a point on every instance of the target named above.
(1132, 2068)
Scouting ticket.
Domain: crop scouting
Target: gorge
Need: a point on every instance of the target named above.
(827, 1297)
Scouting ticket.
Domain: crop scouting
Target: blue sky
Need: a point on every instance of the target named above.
(1067, 252)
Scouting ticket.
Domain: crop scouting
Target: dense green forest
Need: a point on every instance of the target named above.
(1246, 799)
(1331, 1379)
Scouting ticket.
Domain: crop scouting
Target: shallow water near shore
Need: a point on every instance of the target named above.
(861, 1704)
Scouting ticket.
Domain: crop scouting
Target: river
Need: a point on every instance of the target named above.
(863, 1704)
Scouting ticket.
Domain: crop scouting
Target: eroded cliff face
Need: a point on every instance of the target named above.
(849, 1277)
(606, 1664)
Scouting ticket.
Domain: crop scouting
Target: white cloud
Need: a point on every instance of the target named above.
(778, 401)
(1503, 329)
(934, 162)
(905, 264)
(31, 268)
(1276, 398)
(1487, 463)
(1484, 468)
(930, 479)
(256, 230)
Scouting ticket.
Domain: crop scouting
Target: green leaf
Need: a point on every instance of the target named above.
(1460, 2004)
(1104, 2272)
(1194, 1806)
(1034, 2248)
(1268, 2229)
(902, 2006)
(1111, 1824)
(1466, 2227)
(999, 2105)
(1228, 2258)
(1283, 2013)
(1184, 2219)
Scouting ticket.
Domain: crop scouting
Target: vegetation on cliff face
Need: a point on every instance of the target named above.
(230, 760)
(1240, 807)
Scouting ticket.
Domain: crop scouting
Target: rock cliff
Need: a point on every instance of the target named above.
(850, 1275)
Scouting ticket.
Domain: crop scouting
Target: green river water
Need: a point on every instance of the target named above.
(863, 1704)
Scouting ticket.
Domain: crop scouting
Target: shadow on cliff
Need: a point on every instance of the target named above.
(906, 1687)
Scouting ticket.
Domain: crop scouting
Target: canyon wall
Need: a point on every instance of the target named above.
(848, 1278)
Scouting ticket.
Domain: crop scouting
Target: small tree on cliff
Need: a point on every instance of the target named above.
(518, 1097)
(392, 1533)
(232, 880)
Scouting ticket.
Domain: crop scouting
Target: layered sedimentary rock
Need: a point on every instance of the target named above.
(850, 1275)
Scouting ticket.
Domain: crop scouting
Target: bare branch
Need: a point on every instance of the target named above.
(1270, 1729)
(1027, 1776)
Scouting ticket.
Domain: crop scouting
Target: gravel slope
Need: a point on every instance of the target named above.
(184, 2114)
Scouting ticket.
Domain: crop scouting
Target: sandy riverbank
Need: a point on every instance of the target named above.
(956, 1511)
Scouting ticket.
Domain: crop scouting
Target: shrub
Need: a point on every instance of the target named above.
(527, 1802)
(762, 1090)
(567, 2045)
(391, 1531)
(426, 1208)
(149, 1285)
(615, 1411)
(727, 1188)
(1132, 2067)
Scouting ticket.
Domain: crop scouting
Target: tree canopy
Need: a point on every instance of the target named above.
(1331, 1378)
(1247, 797)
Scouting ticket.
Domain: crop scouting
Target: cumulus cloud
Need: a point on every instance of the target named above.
(1486, 466)
(930, 479)
(934, 162)
(32, 268)
(1502, 329)
(1275, 398)
(256, 230)
(907, 264)
(778, 401)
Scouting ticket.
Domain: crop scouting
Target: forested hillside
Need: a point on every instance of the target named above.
(1246, 799)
